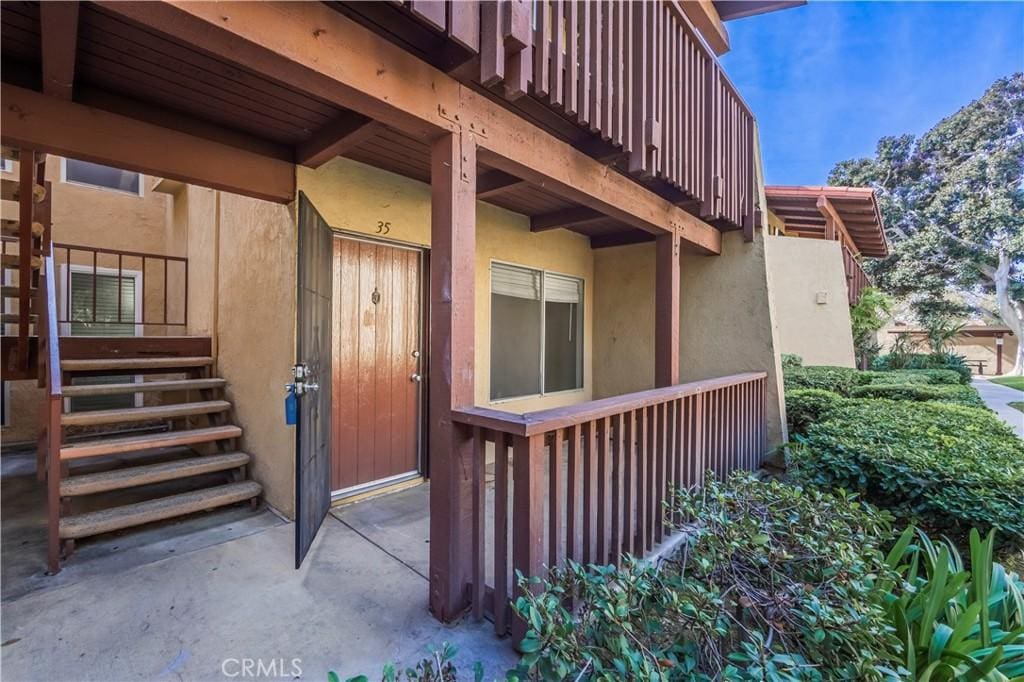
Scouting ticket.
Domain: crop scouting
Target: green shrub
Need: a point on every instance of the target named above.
(806, 406)
(836, 379)
(958, 394)
(954, 623)
(790, 361)
(896, 377)
(949, 466)
(947, 361)
(772, 583)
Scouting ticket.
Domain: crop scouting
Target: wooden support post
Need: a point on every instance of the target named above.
(999, 355)
(666, 311)
(452, 273)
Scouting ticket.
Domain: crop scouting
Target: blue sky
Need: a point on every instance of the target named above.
(828, 79)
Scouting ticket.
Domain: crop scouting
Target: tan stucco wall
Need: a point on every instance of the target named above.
(972, 348)
(624, 310)
(90, 216)
(354, 197)
(727, 320)
(802, 271)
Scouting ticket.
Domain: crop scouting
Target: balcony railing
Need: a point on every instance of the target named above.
(635, 74)
(856, 279)
(588, 482)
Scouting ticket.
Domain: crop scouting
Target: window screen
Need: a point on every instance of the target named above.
(106, 324)
(97, 175)
(536, 332)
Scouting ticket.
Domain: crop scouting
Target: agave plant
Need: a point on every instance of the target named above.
(955, 623)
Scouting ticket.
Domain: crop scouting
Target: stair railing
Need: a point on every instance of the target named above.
(48, 454)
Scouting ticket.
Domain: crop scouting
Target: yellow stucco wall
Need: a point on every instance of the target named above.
(624, 310)
(354, 197)
(727, 320)
(811, 304)
(97, 217)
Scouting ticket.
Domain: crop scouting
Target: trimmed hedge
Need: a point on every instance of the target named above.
(836, 379)
(911, 376)
(948, 466)
(946, 361)
(807, 406)
(958, 394)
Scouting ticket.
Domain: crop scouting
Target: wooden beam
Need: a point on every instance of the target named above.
(606, 241)
(703, 16)
(666, 311)
(452, 285)
(566, 217)
(835, 228)
(30, 119)
(496, 183)
(334, 139)
(327, 55)
(58, 23)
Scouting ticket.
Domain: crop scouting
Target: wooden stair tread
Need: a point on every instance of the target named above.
(92, 365)
(126, 516)
(123, 444)
(12, 291)
(12, 228)
(143, 387)
(15, 318)
(10, 190)
(128, 477)
(139, 414)
(12, 260)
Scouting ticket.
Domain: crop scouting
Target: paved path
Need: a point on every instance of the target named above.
(997, 397)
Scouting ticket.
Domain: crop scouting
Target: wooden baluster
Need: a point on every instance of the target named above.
(556, 500)
(558, 58)
(479, 520)
(615, 546)
(643, 538)
(572, 75)
(652, 474)
(661, 444)
(629, 483)
(700, 450)
(589, 491)
(527, 514)
(501, 595)
(573, 530)
(603, 436)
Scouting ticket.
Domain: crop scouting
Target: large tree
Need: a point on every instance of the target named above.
(953, 203)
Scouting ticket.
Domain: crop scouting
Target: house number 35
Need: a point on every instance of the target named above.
(383, 227)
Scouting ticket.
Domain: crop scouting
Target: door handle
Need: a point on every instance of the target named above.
(415, 377)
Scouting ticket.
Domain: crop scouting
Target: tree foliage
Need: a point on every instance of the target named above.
(953, 204)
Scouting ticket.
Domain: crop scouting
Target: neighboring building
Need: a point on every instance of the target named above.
(987, 348)
(817, 239)
(485, 243)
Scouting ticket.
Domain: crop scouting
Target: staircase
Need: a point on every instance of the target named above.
(186, 436)
(170, 451)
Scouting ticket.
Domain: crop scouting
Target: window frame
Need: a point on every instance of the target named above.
(65, 296)
(544, 272)
(6, 165)
(64, 179)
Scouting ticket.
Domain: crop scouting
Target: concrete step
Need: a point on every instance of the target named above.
(116, 518)
(129, 477)
(142, 414)
(128, 364)
(143, 387)
(125, 444)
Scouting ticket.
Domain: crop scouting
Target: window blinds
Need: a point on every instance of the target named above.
(508, 280)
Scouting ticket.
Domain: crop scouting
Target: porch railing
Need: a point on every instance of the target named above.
(856, 279)
(588, 482)
(48, 463)
(161, 297)
(635, 74)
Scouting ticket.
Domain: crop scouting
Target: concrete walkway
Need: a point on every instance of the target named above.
(354, 605)
(998, 397)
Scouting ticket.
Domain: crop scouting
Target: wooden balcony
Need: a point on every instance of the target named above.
(856, 279)
(588, 482)
(630, 83)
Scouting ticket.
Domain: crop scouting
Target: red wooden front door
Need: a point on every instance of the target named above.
(376, 369)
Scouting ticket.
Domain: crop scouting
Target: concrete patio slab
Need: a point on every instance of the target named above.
(350, 608)
(998, 399)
